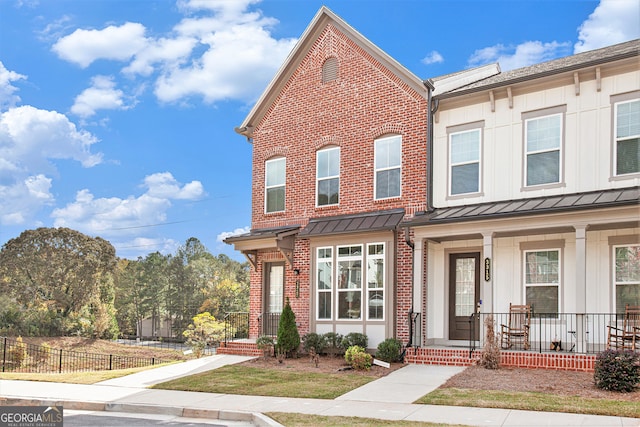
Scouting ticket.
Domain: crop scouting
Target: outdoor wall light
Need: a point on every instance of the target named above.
(296, 271)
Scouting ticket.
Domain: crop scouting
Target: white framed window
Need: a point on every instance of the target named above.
(275, 183)
(324, 284)
(375, 281)
(542, 281)
(328, 176)
(626, 276)
(627, 137)
(388, 167)
(464, 162)
(543, 143)
(349, 273)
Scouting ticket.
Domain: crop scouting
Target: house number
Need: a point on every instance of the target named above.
(487, 269)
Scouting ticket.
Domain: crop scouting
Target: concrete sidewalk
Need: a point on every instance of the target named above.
(388, 398)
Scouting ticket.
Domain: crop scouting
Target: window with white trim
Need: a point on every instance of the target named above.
(627, 137)
(328, 176)
(388, 161)
(375, 281)
(626, 276)
(275, 180)
(349, 282)
(542, 281)
(543, 145)
(464, 162)
(324, 287)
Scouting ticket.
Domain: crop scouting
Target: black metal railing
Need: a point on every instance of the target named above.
(18, 356)
(581, 333)
(269, 324)
(162, 343)
(236, 326)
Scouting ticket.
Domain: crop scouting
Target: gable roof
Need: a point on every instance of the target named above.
(567, 64)
(323, 17)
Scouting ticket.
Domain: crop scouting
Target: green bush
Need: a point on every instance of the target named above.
(355, 338)
(334, 343)
(314, 341)
(389, 350)
(358, 358)
(617, 370)
(288, 336)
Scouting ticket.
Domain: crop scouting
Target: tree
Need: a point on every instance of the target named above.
(288, 336)
(60, 271)
(204, 331)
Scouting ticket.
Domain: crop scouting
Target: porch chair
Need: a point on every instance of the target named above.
(518, 326)
(628, 336)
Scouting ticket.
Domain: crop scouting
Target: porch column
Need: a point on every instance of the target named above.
(418, 286)
(486, 290)
(581, 285)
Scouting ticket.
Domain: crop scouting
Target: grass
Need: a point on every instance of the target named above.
(530, 402)
(88, 377)
(304, 420)
(235, 379)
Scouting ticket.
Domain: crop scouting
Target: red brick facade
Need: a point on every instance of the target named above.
(366, 101)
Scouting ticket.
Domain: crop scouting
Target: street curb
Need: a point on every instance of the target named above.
(256, 418)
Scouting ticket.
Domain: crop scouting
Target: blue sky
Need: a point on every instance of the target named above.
(117, 116)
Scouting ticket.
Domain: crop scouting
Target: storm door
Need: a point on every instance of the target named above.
(464, 295)
(274, 298)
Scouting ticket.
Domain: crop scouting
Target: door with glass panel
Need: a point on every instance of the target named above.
(464, 295)
(274, 297)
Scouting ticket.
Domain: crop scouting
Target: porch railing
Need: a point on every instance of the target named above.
(584, 333)
(269, 324)
(236, 326)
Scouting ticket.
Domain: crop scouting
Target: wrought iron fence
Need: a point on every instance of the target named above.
(162, 343)
(18, 356)
(583, 333)
(236, 326)
(269, 324)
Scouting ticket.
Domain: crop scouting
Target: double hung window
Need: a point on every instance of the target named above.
(464, 162)
(275, 180)
(328, 176)
(543, 146)
(388, 161)
(542, 281)
(324, 288)
(627, 137)
(627, 276)
(350, 282)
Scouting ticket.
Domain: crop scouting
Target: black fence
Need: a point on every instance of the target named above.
(583, 333)
(236, 326)
(162, 343)
(18, 356)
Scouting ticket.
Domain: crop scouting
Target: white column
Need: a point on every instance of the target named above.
(486, 288)
(581, 285)
(418, 287)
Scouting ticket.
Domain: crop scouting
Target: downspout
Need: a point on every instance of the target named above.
(432, 107)
(407, 240)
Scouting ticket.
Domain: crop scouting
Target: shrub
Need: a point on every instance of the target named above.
(355, 338)
(18, 353)
(389, 350)
(204, 331)
(490, 357)
(617, 370)
(288, 336)
(315, 342)
(358, 358)
(334, 343)
(265, 343)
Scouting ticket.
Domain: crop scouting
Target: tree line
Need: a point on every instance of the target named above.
(59, 282)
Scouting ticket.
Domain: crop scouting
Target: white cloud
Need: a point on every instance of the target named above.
(7, 97)
(165, 51)
(164, 185)
(613, 21)
(522, 55)
(102, 95)
(117, 217)
(433, 57)
(235, 232)
(29, 139)
(115, 43)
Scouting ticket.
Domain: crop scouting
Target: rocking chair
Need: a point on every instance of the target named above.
(518, 326)
(628, 336)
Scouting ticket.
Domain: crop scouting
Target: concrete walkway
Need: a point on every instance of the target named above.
(388, 398)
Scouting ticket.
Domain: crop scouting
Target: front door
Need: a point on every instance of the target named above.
(464, 295)
(274, 297)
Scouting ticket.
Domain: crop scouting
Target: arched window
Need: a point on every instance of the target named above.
(329, 70)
